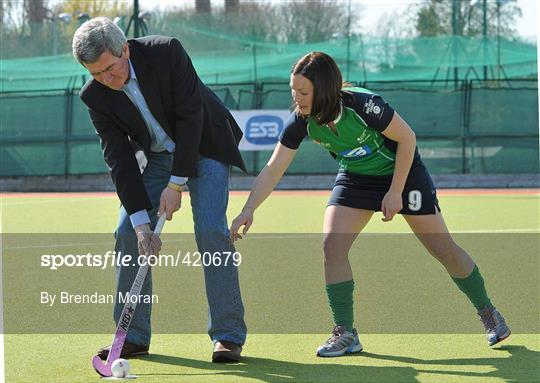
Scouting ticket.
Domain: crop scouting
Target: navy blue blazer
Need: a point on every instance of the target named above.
(189, 112)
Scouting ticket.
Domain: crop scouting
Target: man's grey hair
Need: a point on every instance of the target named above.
(96, 36)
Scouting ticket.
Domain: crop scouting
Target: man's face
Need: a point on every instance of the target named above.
(110, 70)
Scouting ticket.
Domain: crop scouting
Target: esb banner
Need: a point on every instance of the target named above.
(261, 127)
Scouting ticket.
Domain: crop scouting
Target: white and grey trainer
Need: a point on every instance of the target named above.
(496, 328)
(340, 343)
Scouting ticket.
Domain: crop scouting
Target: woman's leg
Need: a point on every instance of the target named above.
(433, 233)
(341, 227)
(431, 230)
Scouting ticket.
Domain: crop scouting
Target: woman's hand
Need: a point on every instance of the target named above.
(391, 205)
(245, 218)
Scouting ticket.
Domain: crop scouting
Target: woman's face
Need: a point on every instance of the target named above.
(302, 93)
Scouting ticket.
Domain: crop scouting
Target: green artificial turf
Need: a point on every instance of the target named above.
(407, 309)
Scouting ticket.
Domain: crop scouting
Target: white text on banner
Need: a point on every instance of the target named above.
(261, 128)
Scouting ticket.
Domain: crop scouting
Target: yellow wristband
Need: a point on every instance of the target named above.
(176, 187)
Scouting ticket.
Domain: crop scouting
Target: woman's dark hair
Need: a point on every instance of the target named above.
(327, 81)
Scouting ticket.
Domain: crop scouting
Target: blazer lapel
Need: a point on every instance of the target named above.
(126, 111)
(148, 82)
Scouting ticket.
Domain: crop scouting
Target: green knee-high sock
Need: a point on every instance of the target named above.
(473, 287)
(340, 296)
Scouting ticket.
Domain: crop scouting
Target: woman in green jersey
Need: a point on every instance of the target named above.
(380, 170)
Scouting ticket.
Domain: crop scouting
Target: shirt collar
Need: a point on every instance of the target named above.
(340, 113)
(132, 75)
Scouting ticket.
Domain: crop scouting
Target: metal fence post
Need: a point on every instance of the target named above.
(68, 124)
(465, 130)
(257, 104)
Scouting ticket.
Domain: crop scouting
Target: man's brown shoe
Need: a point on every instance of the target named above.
(226, 352)
(129, 350)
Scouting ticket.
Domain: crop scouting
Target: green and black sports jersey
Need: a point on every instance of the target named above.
(359, 145)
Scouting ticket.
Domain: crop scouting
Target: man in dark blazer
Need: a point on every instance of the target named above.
(146, 94)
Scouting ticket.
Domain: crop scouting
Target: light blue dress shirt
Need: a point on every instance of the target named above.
(159, 140)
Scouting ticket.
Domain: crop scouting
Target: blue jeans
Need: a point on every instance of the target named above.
(209, 194)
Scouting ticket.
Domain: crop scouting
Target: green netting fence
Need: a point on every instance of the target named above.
(448, 58)
(242, 48)
(474, 129)
(473, 101)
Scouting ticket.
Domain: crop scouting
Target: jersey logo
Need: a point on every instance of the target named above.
(370, 107)
(356, 153)
(263, 129)
(363, 137)
(323, 144)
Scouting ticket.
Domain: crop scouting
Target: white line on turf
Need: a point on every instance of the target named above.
(259, 236)
(56, 200)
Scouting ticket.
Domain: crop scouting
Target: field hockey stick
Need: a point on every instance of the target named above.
(104, 369)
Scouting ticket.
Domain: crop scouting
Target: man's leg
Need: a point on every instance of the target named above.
(209, 198)
(155, 176)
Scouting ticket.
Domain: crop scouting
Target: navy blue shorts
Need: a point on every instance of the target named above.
(367, 192)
